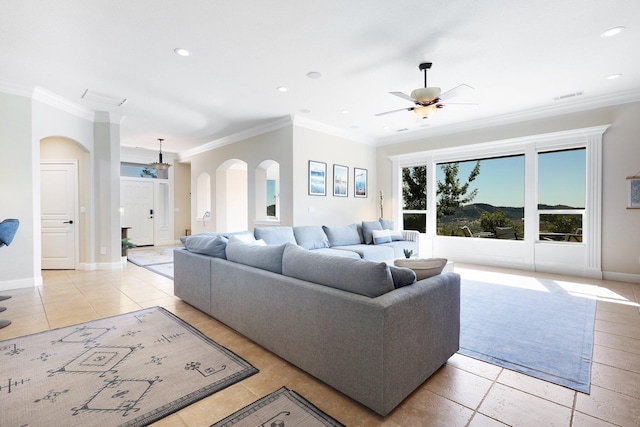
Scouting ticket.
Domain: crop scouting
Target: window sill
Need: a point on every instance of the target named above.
(274, 221)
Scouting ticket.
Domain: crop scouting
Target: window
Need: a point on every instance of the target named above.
(561, 195)
(137, 170)
(414, 198)
(477, 196)
(267, 182)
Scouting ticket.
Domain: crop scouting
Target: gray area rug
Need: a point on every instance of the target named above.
(158, 259)
(282, 408)
(544, 330)
(127, 370)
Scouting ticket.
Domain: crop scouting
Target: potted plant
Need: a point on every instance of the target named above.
(126, 245)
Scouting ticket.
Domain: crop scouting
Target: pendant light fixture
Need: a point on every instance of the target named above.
(160, 165)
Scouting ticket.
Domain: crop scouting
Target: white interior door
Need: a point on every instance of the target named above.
(58, 184)
(136, 199)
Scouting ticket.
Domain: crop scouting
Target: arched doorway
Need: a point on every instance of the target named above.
(231, 209)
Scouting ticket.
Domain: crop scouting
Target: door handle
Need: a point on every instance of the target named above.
(68, 222)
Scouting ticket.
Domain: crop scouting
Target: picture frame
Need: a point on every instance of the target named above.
(317, 178)
(634, 192)
(360, 186)
(340, 181)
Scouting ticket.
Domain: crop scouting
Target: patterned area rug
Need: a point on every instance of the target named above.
(158, 259)
(127, 370)
(282, 408)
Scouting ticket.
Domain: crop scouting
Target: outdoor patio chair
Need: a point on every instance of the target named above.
(506, 233)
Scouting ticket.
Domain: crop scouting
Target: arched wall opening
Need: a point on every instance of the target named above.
(231, 209)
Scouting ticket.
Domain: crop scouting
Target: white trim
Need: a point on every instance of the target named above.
(621, 277)
(30, 282)
(61, 103)
(529, 254)
(291, 120)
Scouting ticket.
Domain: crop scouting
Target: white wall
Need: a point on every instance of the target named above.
(329, 210)
(17, 178)
(621, 158)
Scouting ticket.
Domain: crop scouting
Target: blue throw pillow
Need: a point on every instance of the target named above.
(386, 224)
(214, 246)
(275, 235)
(342, 235)
(311, 237)
(367, 228)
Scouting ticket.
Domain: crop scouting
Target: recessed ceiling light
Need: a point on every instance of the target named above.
(314, 75)
(305, 111)
(614, 76)
(282, 89)
(345, 111)
(182, 51)
(612, 32)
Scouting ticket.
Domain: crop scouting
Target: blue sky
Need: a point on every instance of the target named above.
(561, 179)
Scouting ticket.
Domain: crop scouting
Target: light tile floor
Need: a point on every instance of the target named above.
(464, 392)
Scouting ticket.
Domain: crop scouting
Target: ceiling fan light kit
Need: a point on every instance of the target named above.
(428, 99)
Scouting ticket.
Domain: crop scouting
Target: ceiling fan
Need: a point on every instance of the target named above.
(428, 99)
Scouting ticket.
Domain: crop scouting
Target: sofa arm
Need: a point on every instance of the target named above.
(410, 235)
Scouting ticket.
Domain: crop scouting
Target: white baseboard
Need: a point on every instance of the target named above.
(21, 283)
(621, 277)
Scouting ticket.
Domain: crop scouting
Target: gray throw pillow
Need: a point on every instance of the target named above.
(342, 235)
(264, 257)
(275, 235)
(358, 276)
(386, 224)
(311, 236)
(367, 230)
(214, 246)
(402, 276)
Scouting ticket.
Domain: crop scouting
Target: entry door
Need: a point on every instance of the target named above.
(58, 185)
(136, 199)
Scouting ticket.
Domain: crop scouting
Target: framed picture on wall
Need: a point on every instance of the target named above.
(360, 182)
(634, 192)
(317, 178)
(340, 181)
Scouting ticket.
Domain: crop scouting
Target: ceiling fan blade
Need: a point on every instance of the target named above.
(395, 111)
(403, 96)
(460, 90)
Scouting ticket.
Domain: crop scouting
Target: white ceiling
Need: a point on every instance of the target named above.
(518, 55)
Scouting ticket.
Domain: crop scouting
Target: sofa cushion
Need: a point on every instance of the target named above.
(214, 246)
(268, 257)
(424, 268)
(311, 236)
(362, 277)
(381, 236)
(367, 230)
(402, 276)
(386, 224)
(337, 252)
(275, 235)
(342, 235)
(377, 253)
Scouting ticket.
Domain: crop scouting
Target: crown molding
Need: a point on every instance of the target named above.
(520, 116)
(236, 137)
(330, 130)
(61, 103)
(13, 89)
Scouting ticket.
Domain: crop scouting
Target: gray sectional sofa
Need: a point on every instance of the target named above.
(365, 328)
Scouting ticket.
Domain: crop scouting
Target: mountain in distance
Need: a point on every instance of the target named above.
(473, 211)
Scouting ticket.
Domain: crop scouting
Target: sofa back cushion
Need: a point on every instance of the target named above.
(368, 227)
(343, 235)
(311, 236)
(361, 277)
(212, 245)
(264, 257)
(275, 235)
